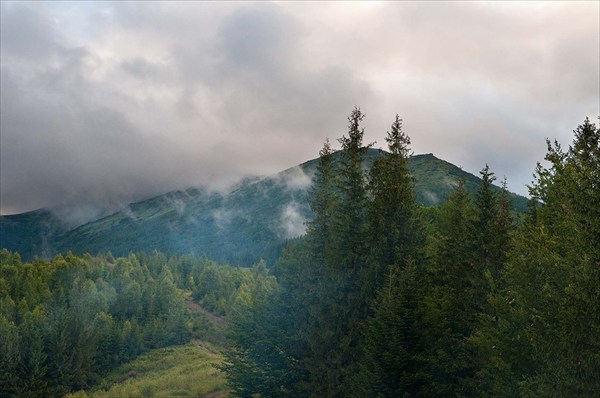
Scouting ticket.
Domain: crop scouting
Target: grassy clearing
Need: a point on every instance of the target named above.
(176, 371)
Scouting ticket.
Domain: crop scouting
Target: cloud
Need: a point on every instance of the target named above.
(223, 217)
(295, 178)
(293, 223)
(108, 103)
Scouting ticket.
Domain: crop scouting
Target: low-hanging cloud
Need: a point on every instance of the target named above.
(107, 103)
(292, 223)
(295, 178)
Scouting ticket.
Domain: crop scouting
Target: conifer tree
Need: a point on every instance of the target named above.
(390, 362)
(10, 358)
(336, 319)
(351, 184)
(492, 229)
(391, 222)
(450, 309)
(323, 202)
(546, 332)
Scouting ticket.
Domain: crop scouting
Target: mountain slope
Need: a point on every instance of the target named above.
(31, 232)
(251, 221)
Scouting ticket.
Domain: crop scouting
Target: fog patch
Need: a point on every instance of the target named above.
(127, 212)
(178, 205)
(72, 216)
(452, 182)
(223, 217)
(431, 197)
(295, 178)
(293, 224)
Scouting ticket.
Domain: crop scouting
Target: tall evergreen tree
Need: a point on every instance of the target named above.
(391, 222)
(492, 227)
(389, 365)
(335, 320)
(351, 185)
(450, 309)
(545, 336)
(323, 202)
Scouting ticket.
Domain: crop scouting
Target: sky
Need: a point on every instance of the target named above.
(106, 103)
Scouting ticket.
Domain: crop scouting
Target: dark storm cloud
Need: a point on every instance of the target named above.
(106, 103)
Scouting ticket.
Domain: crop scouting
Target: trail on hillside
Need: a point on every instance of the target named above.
(217, 394)
(193, 306)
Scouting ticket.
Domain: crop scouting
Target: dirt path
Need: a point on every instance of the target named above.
(216, 394)
(193, 306)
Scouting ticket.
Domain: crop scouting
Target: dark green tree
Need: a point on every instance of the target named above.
(493, 225)
(390, 362)
(336, 321)
(352, 210)
(391, 365)
(451, 311)
(10, 358)
(392, 230)
(544, 338)
(323, 203)
(254, 360)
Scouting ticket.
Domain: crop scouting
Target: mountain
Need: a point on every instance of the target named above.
(251, 221)
(31, 233)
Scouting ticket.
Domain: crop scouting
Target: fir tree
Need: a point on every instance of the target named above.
(323, 203)
(450, 307)
(546, 332)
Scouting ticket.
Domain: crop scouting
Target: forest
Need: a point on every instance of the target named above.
(382, 297)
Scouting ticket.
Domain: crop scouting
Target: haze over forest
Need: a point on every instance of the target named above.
(104, 104)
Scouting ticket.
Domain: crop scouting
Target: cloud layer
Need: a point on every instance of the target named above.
(107, 103)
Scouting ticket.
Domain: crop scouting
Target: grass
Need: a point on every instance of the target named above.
(176, 371)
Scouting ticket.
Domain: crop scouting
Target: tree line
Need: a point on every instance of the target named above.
(65, 323)
(388, 299)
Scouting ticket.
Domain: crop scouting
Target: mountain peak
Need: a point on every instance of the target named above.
(251, 221)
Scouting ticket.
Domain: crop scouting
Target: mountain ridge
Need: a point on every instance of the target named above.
(253, 220)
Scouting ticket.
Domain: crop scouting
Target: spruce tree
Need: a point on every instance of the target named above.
(392, 231)
(451, 312)
(546, 332)
(351, 185)
(323, 202)
(390, 362)
(341, 309)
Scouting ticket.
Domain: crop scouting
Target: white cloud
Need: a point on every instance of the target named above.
(293, 223)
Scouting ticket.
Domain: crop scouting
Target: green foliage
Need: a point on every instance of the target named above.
(388, 299)
(308, 340)
(391, 363)
(252, 363)
(350, 213)
(545, 336)
(188, 370)
(65, 323)
(383, 297)
(323, 202)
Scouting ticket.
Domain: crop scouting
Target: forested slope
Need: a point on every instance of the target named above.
(253, 221)
(385, 299)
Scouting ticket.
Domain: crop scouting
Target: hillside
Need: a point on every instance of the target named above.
(31, 233)
(253, 220)
(176, 371)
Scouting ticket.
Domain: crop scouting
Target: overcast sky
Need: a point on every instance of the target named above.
(108, 103)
